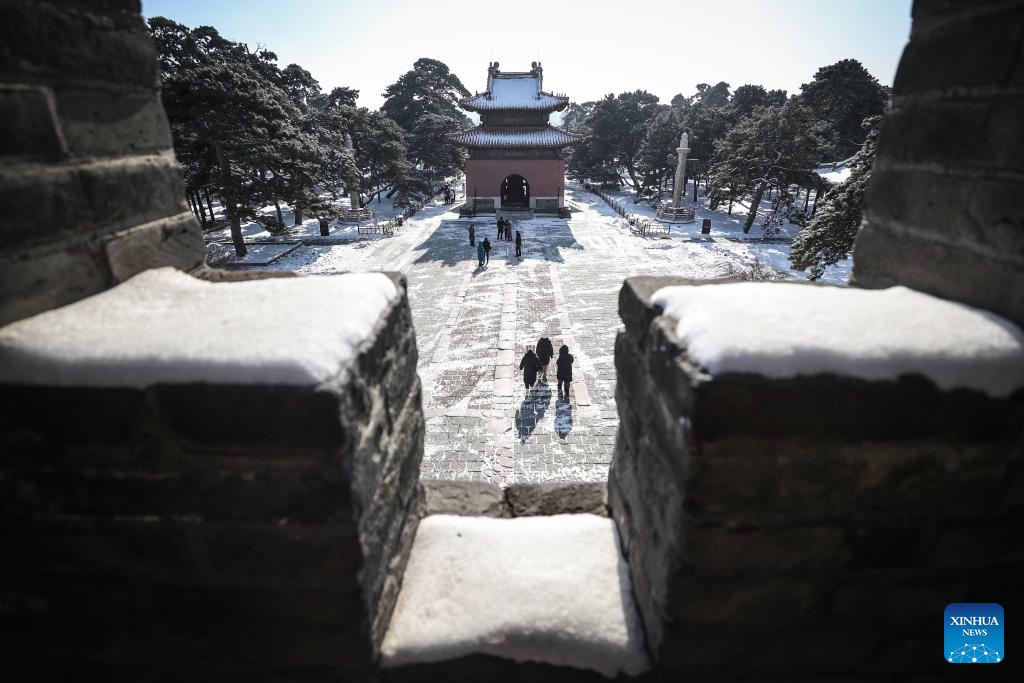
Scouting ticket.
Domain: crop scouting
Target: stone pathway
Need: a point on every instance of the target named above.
(473, 325)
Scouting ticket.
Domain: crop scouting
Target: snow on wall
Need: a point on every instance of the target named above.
(544, 589)
(787, 330)
(164, 326)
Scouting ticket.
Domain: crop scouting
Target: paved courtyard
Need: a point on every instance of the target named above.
(473, 324)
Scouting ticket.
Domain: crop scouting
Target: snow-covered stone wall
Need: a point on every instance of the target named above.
(944, 212)
(786, 519)
(252, 518)
(90, 192)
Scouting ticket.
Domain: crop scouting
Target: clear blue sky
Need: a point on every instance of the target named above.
(588, 49)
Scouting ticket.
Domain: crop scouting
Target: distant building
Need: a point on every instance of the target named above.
(514, 161)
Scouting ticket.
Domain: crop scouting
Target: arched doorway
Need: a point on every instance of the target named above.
(515, 192)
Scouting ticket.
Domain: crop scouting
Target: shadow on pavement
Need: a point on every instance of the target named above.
(532, 410)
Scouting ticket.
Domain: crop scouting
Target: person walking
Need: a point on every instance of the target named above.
(487, 250)
(564, 364)
(519, 243)
(472, 234)
(544, 353)
(529, 365)
(480, 253)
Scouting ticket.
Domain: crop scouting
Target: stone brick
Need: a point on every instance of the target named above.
(706, 658)
(37, 281)
(745, 605)
(837, 651)
(304, 420)
(30, 126)
(79, 199)
(984, 223)
(64, 42)
(722, 552)
(175, 241)
(242, 555)
(881, 260)
(215, 491)
(557, 498)
(962, 134)
(948, 57)
(803, 480)
(905, 601)
(98, 123)
(60, 549)
(470, 498)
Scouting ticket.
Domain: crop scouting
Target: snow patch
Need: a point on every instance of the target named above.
(164, 326)
(787, 330)
(542, 589)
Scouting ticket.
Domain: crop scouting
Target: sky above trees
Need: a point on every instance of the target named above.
(588, 49)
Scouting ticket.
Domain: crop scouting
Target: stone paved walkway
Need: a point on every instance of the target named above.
(473, 324)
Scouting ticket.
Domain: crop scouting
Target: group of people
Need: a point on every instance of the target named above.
(483, 250)
(536, 362)
(504, 229)
(505, 233)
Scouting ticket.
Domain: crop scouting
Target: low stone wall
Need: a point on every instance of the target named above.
(478, 498)
(781, 529)
(231, 531)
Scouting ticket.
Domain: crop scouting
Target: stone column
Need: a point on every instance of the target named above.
(353, 195)
(677, 187)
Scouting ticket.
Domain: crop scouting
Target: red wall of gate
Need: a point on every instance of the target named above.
(545, 176)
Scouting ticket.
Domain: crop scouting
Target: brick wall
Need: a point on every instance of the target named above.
(945, 208)
(176, 532)
(810, 527)
(227, 531)
(90, 192)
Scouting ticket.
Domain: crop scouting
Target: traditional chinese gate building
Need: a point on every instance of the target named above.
(514, 162)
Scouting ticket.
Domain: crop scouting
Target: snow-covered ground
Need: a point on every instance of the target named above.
(742, 249)
(473, 324)
(308, 229)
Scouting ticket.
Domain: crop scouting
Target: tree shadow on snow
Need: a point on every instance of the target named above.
(532, 410)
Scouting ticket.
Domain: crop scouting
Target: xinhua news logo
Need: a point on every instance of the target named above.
(974, 633)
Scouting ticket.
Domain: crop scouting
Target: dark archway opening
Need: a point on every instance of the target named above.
(515, 192)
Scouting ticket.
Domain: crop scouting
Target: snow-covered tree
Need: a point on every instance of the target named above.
(843, 95)
(424, 102)
(617, 126)
(769, 148)
(830, 236)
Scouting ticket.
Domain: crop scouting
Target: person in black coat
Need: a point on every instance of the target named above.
(544, 353)
(529, 365)
(472, 234)
(487, 250)
(519, 243)
(564, 364)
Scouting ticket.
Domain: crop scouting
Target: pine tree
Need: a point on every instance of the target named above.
(770, 148)
(830, 236)
(843, 95)
(424, 102)
(617, 126)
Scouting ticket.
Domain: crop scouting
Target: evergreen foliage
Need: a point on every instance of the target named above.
(830, 236)
(615, 130)
(771, 148)
(842, 95)
(424, 102)
(259, 134)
